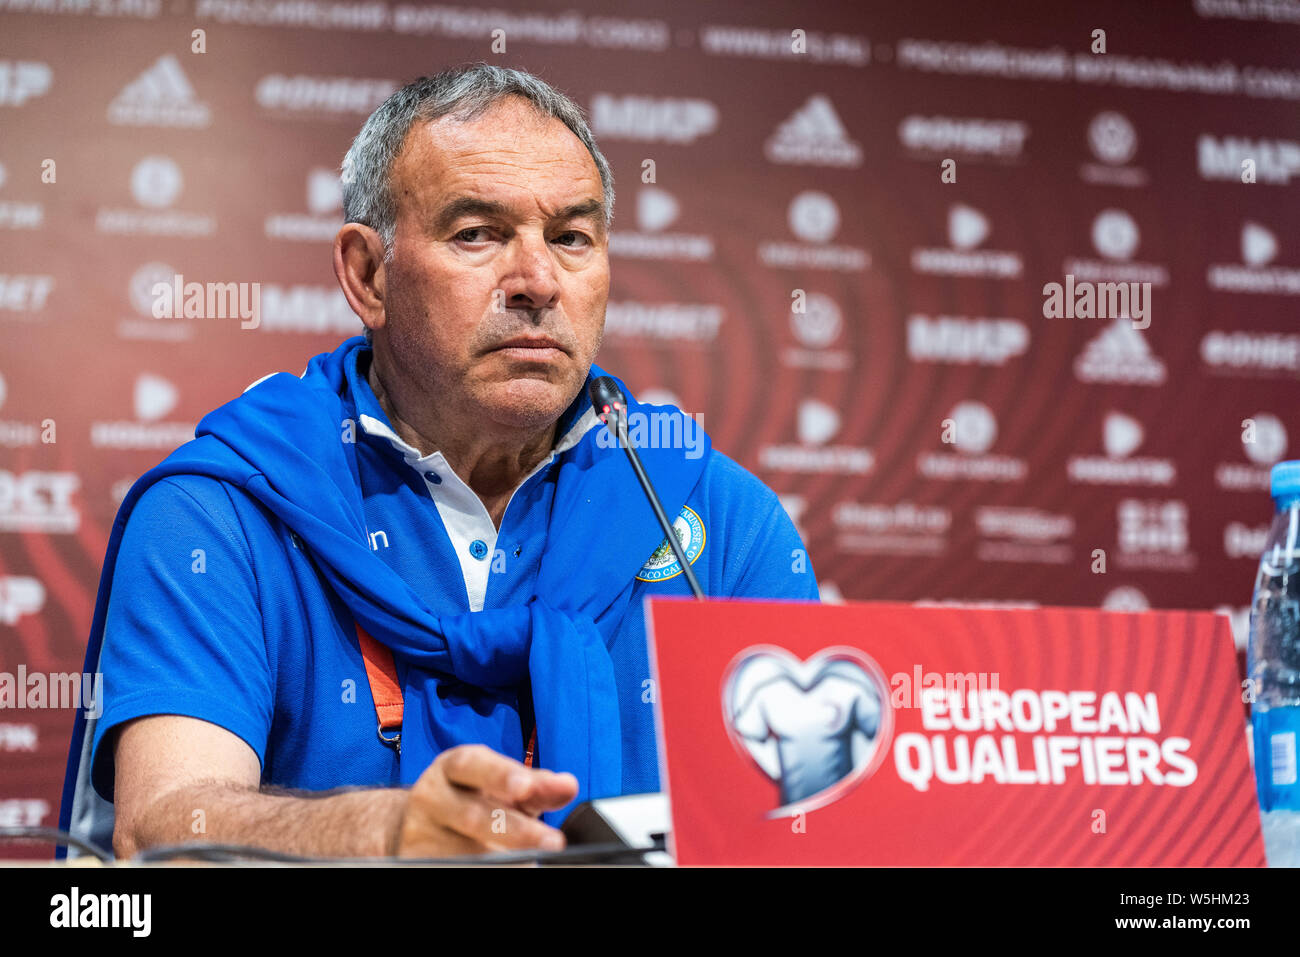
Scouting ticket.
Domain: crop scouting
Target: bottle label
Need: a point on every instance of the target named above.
(1283, 757)
(1276, 731)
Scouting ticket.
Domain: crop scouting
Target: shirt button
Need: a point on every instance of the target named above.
(478, 548)
(433, 477)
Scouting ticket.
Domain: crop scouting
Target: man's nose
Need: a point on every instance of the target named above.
(531, 280)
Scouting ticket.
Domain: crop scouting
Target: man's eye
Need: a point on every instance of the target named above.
(467, 235)
(571, 239)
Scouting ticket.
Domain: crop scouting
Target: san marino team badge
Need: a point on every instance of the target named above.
(663, 564)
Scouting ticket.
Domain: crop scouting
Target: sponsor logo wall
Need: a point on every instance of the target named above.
(974, 300)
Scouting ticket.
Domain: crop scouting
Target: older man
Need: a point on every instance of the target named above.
(394, 605)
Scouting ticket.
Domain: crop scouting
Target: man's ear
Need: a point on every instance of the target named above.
(359, 268)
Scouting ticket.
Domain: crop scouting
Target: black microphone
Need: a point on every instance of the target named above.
(610, 403)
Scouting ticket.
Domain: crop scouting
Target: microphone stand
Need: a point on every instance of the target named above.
(615, 405)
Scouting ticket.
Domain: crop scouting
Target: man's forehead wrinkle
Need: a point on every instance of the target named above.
(496, 130)
(493, 159)
(532, 165)
(489, 161)
(493, 182)
(521, 132)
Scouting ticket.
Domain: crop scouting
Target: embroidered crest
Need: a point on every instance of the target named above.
(663, 564)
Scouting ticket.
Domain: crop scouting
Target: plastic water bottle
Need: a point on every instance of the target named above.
(1273, 667)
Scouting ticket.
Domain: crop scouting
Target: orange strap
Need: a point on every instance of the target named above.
(384, 687)
(387, 692)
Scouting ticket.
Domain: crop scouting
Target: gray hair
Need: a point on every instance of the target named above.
(465, 92)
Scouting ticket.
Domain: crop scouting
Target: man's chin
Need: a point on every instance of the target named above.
(527, 403)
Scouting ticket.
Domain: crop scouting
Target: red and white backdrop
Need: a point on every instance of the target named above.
(790, 260)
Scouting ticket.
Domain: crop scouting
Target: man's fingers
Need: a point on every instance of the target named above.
(428, 839)
(532, 789)
(490, 822)
(482, 769)
(548, 792)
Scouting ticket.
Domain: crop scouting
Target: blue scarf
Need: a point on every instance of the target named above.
(282, 443)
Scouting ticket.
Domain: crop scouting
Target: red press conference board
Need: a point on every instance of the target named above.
(891, 734)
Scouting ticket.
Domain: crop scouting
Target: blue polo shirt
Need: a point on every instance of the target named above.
(217, 611)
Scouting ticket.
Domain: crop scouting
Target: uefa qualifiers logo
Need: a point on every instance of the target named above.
(816, 728)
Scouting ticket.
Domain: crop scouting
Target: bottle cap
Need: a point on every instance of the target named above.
(1285, 479)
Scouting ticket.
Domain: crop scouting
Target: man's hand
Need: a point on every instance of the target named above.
(471, 800)
(181, 779)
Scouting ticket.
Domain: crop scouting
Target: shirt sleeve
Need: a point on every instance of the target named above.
(183, 633)
(770, 560)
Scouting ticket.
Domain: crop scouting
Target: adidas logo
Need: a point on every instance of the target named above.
(814, 136)
(160, 96)
(1119, 354)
